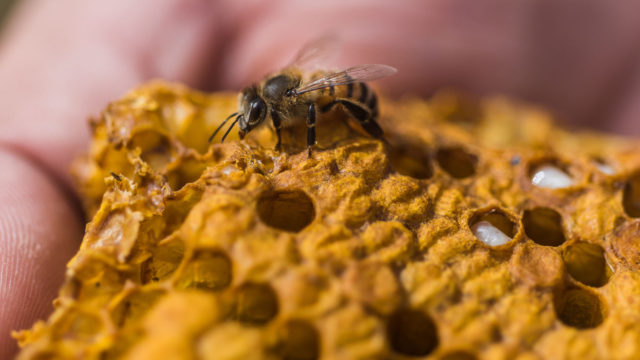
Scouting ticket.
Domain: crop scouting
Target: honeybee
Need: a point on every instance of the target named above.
(290, 95)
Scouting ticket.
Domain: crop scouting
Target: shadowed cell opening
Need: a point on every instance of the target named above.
(256, 303)
(411, 160)
(130, 309)
(155, 148)
(298, 340)
(186, 172)
(412, 333)
(457, 162)
(579, 308)
(164, 261)
(543, 226)
(288, 210)
(586, 263)
(631, 196)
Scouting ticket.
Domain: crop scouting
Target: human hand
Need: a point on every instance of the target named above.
(62, 61)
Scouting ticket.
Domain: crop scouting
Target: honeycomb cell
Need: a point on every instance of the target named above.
(298, 340)
(631, 196)
(457, 162)
(164, 261)
(603, 166)
(155, 148)
(411, 160)
(187, 172)
(206, 270)
(579, 308)
(537, 265)
(256, 303)
(78, 325)
(133, 306)
(544, 226)
(493, 227)
(587, 264)
(287, 210)
(412, 332)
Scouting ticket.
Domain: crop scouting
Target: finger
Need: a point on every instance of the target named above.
(560, 54)
(63, 61)
(39, 231)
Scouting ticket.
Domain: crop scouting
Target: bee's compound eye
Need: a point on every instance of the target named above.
(257, 111)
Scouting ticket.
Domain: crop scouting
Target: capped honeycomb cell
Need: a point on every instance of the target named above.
(462, 236)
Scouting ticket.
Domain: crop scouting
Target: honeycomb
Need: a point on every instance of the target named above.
(478, 230)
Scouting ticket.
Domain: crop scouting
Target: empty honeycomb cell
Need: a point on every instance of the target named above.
(78, 325)
(550, 175)
(134, 305)
(178, 207)
(457, 162)
(184, 173)
(631, 196)
(493, 227)
(298, 340)
(164, 260)
(411, 160)
(256, 303)
(412, 332)
(155, 148)
(579, 308)
(206, 270)
(458, 355)
(288, 210)
(544, 226)
(587, 264)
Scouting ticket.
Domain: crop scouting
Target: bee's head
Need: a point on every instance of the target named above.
(253, 110)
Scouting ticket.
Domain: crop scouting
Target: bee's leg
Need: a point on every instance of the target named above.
(366, 117)
(311, 127)
(276, 124)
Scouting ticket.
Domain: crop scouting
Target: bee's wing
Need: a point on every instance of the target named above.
(365, 72)
(317, 51)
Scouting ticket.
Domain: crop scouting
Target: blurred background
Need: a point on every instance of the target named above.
(5, 7)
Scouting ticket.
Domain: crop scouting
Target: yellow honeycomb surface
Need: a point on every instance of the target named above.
(479, 230)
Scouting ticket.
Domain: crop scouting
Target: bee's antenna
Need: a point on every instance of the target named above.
(230, 127)
(221, 125)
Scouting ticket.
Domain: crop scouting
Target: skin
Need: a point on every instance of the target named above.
(62, 61)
